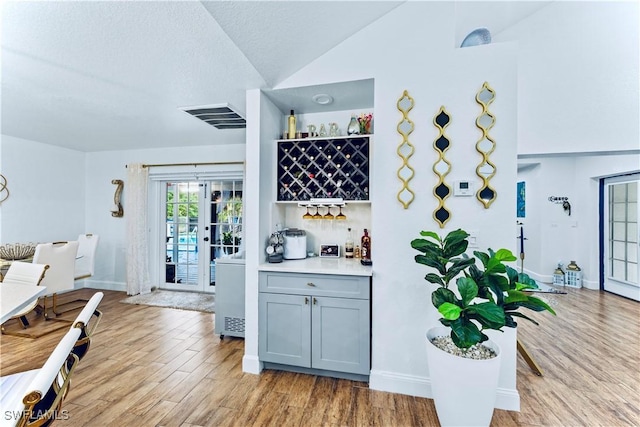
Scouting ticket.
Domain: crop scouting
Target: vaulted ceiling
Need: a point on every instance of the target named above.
(112, 75)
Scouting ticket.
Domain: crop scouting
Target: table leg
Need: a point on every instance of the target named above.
(527, 357)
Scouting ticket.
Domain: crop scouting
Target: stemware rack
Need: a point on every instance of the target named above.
(313, 168)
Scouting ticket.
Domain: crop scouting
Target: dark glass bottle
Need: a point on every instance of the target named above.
(365, 246)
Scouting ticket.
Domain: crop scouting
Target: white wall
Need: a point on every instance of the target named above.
(578, 77)
(47, 192)
(407, 50)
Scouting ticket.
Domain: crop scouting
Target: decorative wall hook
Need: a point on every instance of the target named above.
(4, 191)
(119, 212)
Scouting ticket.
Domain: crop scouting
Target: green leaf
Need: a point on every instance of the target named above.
(431, 234)
(468, 289)
(449, 311)
(425, 245)
(455, 237)
(431, 261)
(441, 296)
(456, 248)
(537, 302)
(484, 258)
(434, 278)
(488, 314)
(515, 296)
(465, 333)
(505, 255)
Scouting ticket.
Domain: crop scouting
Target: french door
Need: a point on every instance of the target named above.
(203, 223)
(621, 236)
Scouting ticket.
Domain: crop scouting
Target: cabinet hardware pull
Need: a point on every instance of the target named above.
(310, 284)
(315, 301)
(306, 300)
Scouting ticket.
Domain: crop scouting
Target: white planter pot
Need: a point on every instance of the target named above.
(464, 390)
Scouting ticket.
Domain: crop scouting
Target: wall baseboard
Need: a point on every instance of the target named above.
(103, 285)
(251, 364)
(547, 279)
(411, 385)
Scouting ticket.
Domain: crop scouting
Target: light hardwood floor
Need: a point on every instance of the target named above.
(152, 366)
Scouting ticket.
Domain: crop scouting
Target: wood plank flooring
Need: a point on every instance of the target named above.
(151, 366)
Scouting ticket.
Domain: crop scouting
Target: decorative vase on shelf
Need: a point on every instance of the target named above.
(354, 127)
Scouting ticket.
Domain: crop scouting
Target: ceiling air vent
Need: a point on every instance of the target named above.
(220, 116)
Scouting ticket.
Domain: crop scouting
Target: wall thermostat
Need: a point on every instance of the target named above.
(463, 188)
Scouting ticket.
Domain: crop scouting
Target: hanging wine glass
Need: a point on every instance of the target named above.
(328, 215)
(340, 215)
(307, 215)
(317, 215)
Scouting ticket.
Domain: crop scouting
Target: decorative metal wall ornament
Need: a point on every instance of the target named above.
(405, 149)
(441, 167)
(4, 191)
(119, 212)
(485, 145)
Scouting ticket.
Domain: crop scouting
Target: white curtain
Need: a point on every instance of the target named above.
(135, 211)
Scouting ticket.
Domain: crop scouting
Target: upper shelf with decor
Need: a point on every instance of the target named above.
(323, 168)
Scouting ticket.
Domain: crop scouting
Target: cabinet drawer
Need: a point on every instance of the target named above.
(315, 284)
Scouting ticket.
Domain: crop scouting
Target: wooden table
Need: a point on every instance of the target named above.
(14, 297)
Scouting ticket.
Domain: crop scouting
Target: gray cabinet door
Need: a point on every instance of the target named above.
(285, 329)
(340, 334)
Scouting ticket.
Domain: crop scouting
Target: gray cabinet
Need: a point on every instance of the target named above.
(229, 299)
(315, 321)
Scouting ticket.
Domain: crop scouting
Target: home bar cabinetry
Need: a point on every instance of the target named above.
(316, 323)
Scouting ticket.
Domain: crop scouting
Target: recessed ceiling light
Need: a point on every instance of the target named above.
(322, 99)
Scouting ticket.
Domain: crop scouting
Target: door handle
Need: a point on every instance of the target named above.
(206, 239)
(315, 301)
(306, 300)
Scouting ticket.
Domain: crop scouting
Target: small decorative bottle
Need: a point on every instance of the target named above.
(348, 245)
(356, 252)
(291, 130)
(365, 242)
(354, 127)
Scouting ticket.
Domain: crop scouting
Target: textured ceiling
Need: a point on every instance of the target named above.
(112, 75)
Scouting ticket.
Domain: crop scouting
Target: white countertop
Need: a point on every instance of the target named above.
(317, 265)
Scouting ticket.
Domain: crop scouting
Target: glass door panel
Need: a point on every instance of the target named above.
(225, 228)
(183, 201)
(621, 258)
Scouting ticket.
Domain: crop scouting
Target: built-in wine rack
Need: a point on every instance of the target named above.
(323, 168)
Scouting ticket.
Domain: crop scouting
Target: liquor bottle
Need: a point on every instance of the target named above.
(365, 243)
(356, 252)
(292, 126)
(348, 245)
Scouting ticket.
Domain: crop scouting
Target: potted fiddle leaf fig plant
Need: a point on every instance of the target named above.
(464, 364)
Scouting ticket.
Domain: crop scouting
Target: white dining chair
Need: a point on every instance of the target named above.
(61, 258)
(85, 262)
(27, 274)
(35, 397)
(87, 321)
